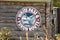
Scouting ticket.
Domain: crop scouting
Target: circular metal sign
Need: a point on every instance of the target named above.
(28, 18)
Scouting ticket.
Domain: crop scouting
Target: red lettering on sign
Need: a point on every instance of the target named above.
(18, 23)
(38, 19)
(36, 25)
(33, 10)
(27, 8)
(37, 14)
(28, 29)
(18, 18)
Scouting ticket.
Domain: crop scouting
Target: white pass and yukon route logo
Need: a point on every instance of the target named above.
(28, 18)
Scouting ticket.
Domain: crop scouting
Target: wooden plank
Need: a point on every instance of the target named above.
(8, 10)
(18, 6)
(7, 21)
(23, 3)
(7, 24)
(41, 5)
(7, 18)
(31, 33)
(10, 6)
(30, 38)
(15, 11)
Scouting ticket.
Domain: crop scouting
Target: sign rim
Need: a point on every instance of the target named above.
(33, 13)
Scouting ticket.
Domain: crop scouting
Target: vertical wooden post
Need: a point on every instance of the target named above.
(44, 26)
(20, 38)
(26, 35)
(48, 21)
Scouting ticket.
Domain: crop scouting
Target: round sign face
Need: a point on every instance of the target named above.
(28, 18)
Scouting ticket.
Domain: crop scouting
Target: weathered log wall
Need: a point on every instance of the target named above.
(8, 11)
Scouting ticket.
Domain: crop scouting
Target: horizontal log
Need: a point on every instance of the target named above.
(22, 3)
(7, 17)
(8, 14)
(10, 7)
(21, 38)
(8, 10)
(7, 24)
(30, 33)
(24, 38)
(42, 10)
(16, 7)
(7, 21)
